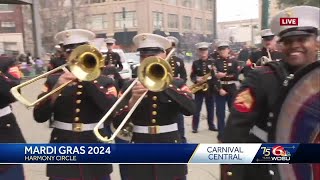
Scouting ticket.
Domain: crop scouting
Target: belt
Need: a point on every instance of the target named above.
(259, 133)
(155, 129)
(228, 82)
(76, 127)
(5, 111)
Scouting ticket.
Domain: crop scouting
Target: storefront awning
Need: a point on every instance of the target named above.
(101, 35)
(124, 38)
(16, 2)
(159, 32)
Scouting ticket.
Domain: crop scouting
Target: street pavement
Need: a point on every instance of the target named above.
(40, 132)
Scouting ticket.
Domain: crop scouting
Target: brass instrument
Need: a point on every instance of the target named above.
(201, 85)
(263, 60)
(156, 75)
(85, 62)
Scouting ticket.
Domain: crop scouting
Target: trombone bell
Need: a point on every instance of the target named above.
(84, 62)
(155, 74)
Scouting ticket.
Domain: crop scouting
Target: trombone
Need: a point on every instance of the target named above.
(155, 74)
(84, 62)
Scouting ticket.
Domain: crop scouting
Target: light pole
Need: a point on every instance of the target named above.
(36, 27)
(214, 19)
(265, 14)
(124, 25)
(251, 25)
(72, 14)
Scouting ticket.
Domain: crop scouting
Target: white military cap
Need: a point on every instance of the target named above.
(307, 24)
(173, 39)
(223, 44)
(151, 41)
(266, 33)
(203, 45)
(74, 36)
(110, 41)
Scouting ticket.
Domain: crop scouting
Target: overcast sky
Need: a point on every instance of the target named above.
(230, 10)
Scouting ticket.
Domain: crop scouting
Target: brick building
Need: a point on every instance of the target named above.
(11, 29)
(190, 19)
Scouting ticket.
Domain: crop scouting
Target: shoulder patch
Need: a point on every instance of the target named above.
(244, 102)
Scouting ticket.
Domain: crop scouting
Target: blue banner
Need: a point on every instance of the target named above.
(159, 153)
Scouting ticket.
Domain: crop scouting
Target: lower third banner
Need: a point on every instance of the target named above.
(159, 153)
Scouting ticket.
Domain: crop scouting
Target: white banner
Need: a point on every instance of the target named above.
(225, 153)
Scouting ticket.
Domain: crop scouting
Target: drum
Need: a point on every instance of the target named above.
(298, 119)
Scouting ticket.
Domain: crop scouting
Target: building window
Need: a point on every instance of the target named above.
(173, 21)
(198, 24)
(8, 27)
(198, 4)
(209, 25)
(187, 3)
(157, 20)
(6, 7)
(186, 22)
(97, 22)
(129, 21)
(172, 2)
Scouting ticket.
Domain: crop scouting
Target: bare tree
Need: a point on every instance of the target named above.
(56, 16)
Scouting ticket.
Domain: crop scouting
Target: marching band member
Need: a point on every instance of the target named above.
(155, 119)
(113, 58)
(59, 58)
(76, 110)
(252, 115)
(10, 131)
(227, 73)
(268, 50)
(200, 68)
(178, 70)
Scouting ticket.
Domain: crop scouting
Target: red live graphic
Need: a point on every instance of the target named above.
(288, 21)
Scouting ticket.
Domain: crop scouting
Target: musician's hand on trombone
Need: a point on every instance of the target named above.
(64, 78)
(137, 91)
(220, 75)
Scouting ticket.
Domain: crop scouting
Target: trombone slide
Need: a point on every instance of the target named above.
(164, 82)
(15, 90)
(84, 62)
(96, 128)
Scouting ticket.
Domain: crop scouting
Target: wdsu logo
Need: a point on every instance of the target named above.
(276, 153)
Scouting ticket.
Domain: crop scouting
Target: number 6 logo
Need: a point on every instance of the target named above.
(278, 151)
